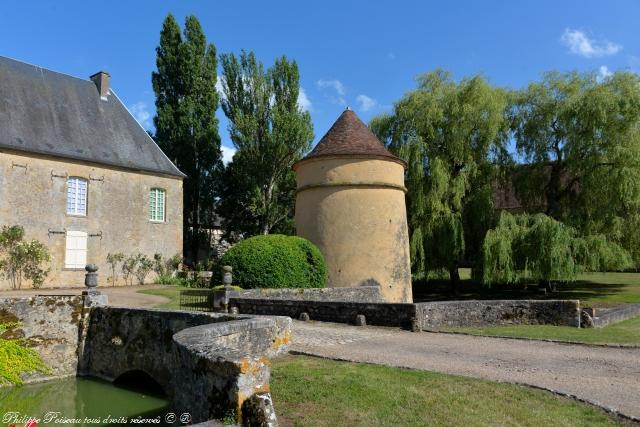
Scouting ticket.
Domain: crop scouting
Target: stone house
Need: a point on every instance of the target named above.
(80, 174)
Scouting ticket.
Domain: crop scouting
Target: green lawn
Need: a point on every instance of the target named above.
(171, 292)
(604, 289)
(627, 332)
(592, 289)
(317, 392)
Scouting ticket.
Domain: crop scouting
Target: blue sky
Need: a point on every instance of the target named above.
(364, 54)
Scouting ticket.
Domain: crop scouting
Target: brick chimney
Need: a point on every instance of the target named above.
(101, 80)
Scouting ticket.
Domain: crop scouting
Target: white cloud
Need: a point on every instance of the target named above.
(579, 44)
(604, 72)
(303, 101)
(227, 154)
(337, 86)
(391, 56)
(365, 103)
(142, 114)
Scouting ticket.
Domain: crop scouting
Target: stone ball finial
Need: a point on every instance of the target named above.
(91, 276)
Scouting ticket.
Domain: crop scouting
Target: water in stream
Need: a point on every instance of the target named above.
(80, 401)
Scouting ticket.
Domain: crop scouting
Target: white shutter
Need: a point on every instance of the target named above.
(76, 249)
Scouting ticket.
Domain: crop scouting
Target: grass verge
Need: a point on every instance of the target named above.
(626, 332)
(318, 392)
(592, 289)
(170, 292)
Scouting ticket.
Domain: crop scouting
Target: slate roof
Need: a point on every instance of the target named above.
(349, 136)
(50, 113)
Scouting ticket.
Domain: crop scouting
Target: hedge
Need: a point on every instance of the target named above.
(275, 261)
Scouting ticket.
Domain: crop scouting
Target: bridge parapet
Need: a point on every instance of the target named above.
(210, 365)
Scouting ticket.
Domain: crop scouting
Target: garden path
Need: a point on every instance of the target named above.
(608, 377)
(123, 296)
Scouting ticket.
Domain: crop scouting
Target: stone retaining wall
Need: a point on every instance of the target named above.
(382, 314)
(356, 294)
(448, 314)
(605, 317)
(421, 316)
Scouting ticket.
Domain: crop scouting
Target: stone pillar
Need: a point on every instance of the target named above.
(92, 296)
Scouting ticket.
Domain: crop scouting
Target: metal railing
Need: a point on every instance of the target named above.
(196, 300)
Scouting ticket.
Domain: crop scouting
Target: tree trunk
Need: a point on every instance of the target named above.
(554, 191)
(195, 223)
(454, 277)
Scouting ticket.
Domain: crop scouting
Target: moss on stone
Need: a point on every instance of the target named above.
(16, 359)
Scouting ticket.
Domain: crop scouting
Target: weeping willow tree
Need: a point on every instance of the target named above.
(580, 136)
(538, 248)
(449, 133)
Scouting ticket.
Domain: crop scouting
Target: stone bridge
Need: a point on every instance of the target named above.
(209, 365)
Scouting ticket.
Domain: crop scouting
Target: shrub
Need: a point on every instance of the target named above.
(20, 259)
(145, 265)
(177, 280)
(113, 259)
(128, 268)
(166, 267)
(274, 261)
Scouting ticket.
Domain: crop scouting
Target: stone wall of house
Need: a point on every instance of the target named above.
(33, 194)
(446, 314)
(49, 325)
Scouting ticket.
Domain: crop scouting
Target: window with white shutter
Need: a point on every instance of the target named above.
(76, 249)
(157, 204)
(76, 196)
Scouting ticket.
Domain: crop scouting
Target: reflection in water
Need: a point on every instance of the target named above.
(93, 402)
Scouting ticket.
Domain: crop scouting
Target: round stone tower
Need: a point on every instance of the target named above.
(350, 203)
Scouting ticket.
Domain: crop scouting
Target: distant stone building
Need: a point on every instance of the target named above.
(350, 202)
(80, 174)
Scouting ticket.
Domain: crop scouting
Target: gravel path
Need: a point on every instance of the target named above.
(608, 377)
(123, 296)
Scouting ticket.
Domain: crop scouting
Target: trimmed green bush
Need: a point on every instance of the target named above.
(274, 261)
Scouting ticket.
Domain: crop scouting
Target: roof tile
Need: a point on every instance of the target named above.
(349, 136)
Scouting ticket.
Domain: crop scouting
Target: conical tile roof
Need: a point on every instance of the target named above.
(350, 137)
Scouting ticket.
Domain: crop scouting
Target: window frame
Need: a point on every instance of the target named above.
(153, 213)
(78, 179)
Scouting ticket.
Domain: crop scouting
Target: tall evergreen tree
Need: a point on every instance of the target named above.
(185, 121)
(270, 132)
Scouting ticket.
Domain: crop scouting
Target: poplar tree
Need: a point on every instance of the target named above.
(270, 132)
(185, 121)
